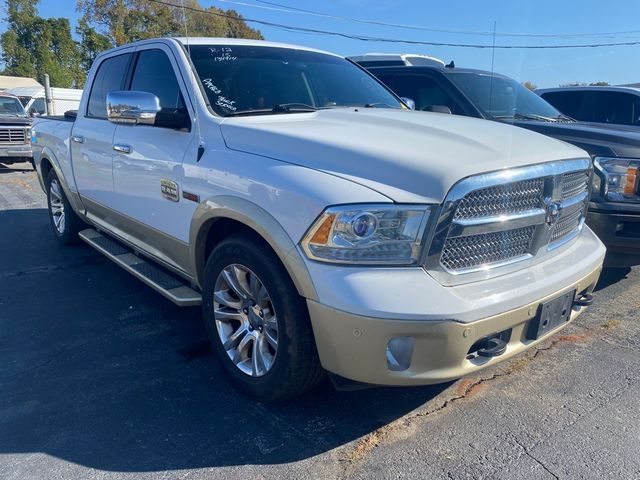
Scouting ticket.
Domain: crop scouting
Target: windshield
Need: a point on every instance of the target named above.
(10, 106)
(257, 79)
(502, 97)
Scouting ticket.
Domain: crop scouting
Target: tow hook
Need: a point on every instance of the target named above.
(492, 347)
(584, 301)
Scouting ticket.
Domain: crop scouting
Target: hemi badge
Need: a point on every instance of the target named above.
(169, 190)
(191, 196)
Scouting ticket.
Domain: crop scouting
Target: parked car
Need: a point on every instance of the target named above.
(15, 131)
(614, 212)
(321, 224)
(610, 105)
(391, 59)
(33, 99)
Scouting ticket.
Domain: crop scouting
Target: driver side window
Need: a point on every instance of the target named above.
(154, 74)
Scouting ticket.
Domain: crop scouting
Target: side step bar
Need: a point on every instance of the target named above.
(171, 286)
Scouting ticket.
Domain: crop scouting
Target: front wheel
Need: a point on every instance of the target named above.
(257, 324)
(64, 221)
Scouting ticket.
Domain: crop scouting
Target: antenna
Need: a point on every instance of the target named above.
(194, 79)
(493, 57)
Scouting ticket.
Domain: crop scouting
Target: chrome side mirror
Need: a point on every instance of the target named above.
(409, 102)
(131, 107)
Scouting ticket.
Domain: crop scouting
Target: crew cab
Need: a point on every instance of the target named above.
(15, 131)
(614, 212)
(322, 225)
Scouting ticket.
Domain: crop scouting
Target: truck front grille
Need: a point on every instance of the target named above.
(494, 220)
(461, 253)
(13, 135)
(502, 199)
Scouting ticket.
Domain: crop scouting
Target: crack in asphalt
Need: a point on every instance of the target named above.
(356, 453)
(539, 462)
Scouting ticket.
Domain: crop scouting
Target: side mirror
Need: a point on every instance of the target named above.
(34, 114)
(409, 102)
(132, 107)
(437, 109)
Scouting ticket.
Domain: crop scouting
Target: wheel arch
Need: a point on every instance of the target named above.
(46, 162)
(218, 217)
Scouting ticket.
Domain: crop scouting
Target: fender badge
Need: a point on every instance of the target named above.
(169, 190)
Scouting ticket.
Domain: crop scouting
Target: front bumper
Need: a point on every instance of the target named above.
(16, 151)
(353, 344)
(620, 232)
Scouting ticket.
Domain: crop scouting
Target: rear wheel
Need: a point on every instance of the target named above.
(257, 323)
(64, 221)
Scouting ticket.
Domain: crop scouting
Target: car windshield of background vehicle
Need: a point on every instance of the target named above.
(502, 98)
(11, 107)
(262, 80)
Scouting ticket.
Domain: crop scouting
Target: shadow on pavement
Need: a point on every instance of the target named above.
(97, 369)
(611, 275)
(11, 168)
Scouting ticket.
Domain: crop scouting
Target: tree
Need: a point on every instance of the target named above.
(91, 44)
(530, 85)
(124, 21)
(33, 46)
(584, 84)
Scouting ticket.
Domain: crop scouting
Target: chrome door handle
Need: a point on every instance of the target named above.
(122, 148)
(78, 138)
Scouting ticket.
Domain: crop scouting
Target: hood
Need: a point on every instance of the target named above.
(6, 120)
(407, 156)
(597, 139)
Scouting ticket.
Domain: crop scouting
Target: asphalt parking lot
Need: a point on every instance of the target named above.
(100, 377)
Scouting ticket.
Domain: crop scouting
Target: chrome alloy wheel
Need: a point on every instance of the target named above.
(57, 206)
(245, 320)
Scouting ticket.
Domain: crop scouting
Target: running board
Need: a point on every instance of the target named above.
(171, 286)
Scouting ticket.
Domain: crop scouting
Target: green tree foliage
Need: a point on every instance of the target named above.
(33, 46)
(124, 21)
(91, 44)
(584, 84)
(530, 85)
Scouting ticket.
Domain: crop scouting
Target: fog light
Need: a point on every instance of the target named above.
(399, 353)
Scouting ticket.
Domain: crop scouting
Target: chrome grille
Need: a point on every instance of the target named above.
(574, 183)
(502, 199)
(12, 135)
(569, 221)
(461, 253)
(487, 222)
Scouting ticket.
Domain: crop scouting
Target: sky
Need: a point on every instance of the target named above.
(545, 68)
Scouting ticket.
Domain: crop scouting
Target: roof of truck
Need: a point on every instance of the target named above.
(242, 41)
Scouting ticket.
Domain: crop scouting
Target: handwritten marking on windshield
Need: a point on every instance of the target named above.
(224, 102)
(207, 82)
(222, 54)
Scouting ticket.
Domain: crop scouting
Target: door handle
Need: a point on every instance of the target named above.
(122, 148)
(78, 138)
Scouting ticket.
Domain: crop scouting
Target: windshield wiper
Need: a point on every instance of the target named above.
(293, 107)
(279, 108)
(526, 116)
(378, 105)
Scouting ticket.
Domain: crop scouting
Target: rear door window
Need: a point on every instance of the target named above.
(615, 107)
(109, 77)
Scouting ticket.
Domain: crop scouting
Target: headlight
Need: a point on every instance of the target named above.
(619, 178)
(368, 234)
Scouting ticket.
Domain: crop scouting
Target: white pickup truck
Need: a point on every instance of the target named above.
(321, 224)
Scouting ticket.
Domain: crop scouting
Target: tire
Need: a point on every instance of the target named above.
(64, 221)
(262, 371)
